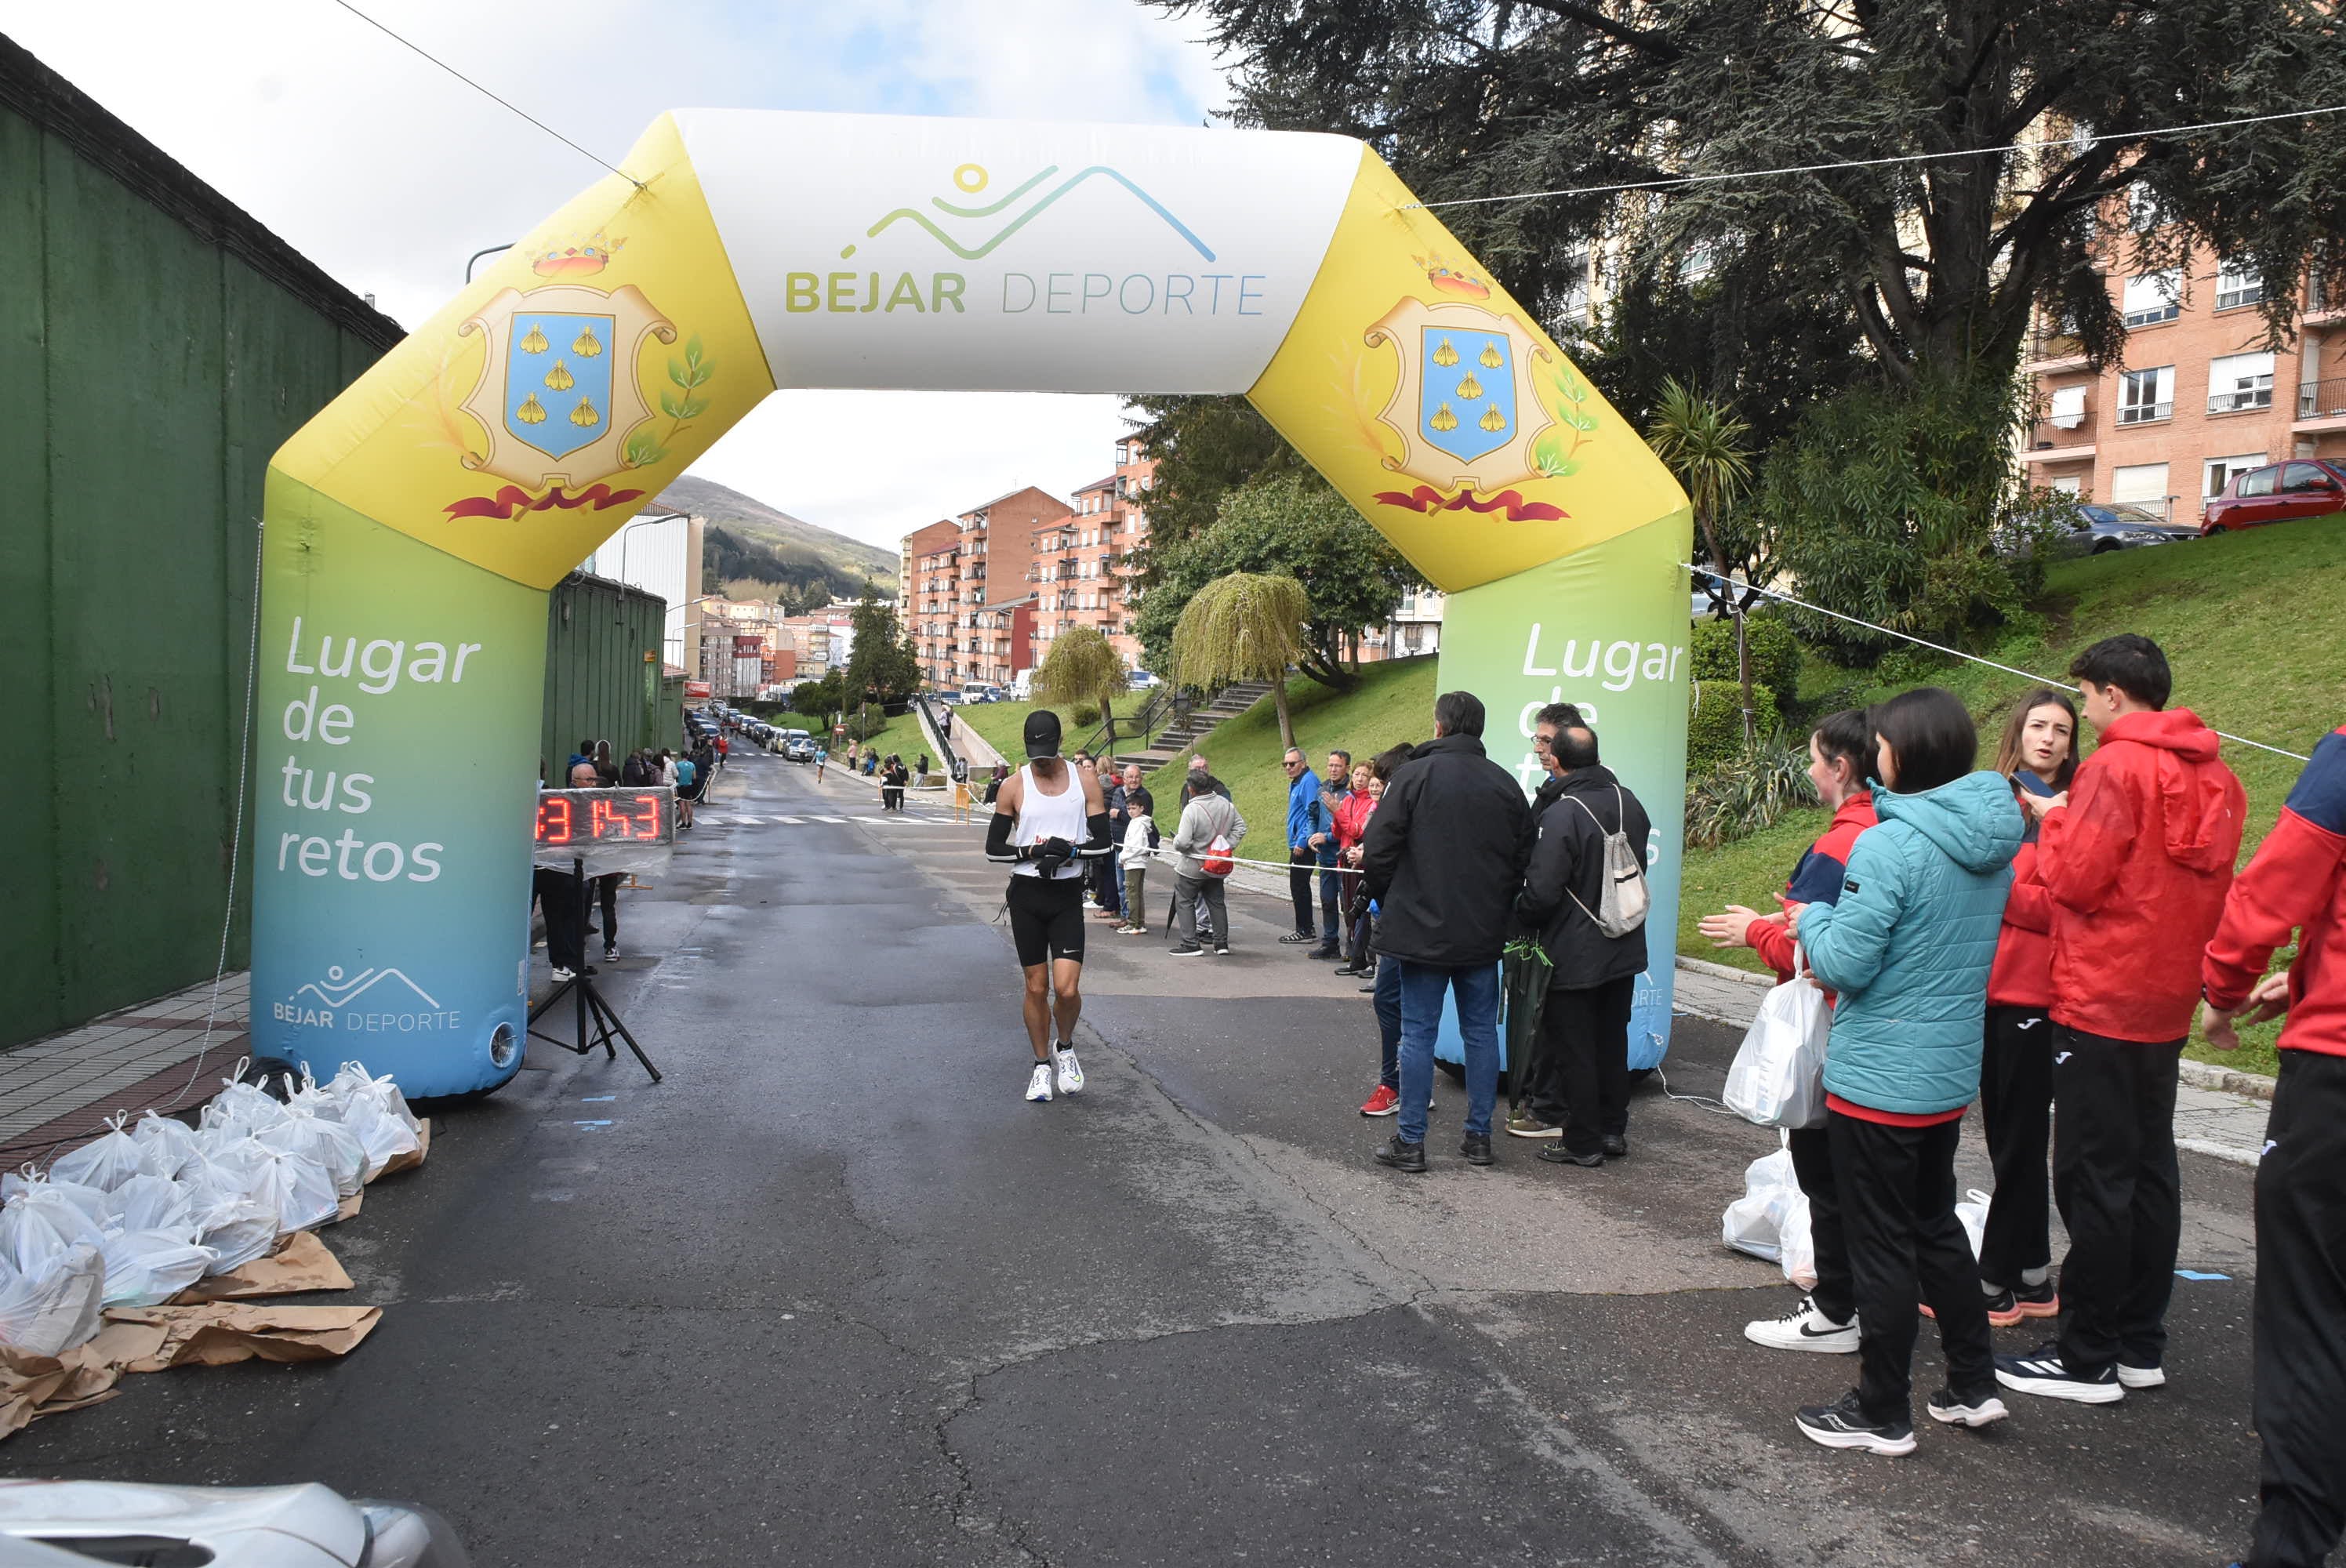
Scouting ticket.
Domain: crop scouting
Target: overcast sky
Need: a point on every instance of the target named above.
(388, 172)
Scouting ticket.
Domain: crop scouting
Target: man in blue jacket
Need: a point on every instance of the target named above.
(1306, 814)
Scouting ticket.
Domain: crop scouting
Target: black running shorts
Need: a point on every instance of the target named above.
(1047, 919)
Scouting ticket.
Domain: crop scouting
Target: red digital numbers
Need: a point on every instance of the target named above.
(647, 817)
(554, 820)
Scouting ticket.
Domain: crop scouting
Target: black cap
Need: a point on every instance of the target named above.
(1042, 733)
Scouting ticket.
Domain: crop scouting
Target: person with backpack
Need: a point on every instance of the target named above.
(1583, 897)
(1210, 829)
(1908, 948)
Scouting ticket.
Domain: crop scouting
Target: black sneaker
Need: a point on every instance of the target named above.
(1298, 938)
(1616, 1147)
(1221, 950)
(1184, 949)
(1983, 1409)
(1842, 1425)
(1475, 1148)
(1324, 954)
(1557, 1155)
(2042, 1372)
(1401, 1157)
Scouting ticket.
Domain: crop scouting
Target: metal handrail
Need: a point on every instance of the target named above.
(2321, 399)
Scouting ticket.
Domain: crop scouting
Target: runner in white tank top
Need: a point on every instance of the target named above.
(1050, 822)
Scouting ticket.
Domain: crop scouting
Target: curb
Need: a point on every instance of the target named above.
(1722, 972)
(2225, 1080)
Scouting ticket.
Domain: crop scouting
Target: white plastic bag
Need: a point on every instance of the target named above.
(169, 1143)
(38, 1222)
(296, 1189)
(352, 1082)
(1800, 1258)
(240, 1107)
(1779, 1076)
(105, 1162)
(1754, 1223)
(381, 1133)
(236, 1231)
(48, 1310)
(147, 1268)
(1973, 1213)
(332, 1146)
(148, 1202)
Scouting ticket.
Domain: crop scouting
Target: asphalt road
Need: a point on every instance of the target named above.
(835, 1293)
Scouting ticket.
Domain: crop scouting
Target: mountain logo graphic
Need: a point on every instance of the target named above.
(971, 179)
(336, 991)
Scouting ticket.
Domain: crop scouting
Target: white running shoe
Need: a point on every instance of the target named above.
(1069, 1071)
(1804, 1329)
(1038, 1087)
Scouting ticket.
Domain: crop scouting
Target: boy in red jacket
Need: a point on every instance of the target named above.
(2297, 882)
(2137, 862)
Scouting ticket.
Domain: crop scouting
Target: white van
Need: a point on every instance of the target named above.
(1022, 687)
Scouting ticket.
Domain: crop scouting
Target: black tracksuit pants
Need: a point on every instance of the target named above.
(1585, 1045)
(1812, 1165)
(2120, 1194)
(558, 894)
(1298, 888)
(2017, 1108)
(2300, 1354)
(1897, 1187)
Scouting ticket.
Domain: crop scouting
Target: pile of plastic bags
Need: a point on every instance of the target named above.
(1770, 1220)
(139, 1213)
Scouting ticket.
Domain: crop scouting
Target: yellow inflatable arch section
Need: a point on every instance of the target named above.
(413, 528)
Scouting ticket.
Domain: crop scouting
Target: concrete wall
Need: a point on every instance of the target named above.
(156, 347)
(603, 671)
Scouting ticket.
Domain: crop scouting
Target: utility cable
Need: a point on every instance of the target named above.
(2081, 143)
(484, 92)
(1958, 652)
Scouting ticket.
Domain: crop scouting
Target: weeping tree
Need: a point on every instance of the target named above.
(1705, 445)
(1247, 625)
(1082, 667)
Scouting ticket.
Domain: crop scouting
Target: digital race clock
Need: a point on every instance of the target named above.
(621, 829)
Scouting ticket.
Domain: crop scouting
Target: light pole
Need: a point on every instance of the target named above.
(476, 256)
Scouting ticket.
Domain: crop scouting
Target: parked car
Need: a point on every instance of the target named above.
(2277, 493)
(1141, 681)
(980, 691)
(2120, 526)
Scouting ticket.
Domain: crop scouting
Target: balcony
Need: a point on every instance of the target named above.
(2144, 412)
(2054, 351)
(2321, 406)
(2239, 399)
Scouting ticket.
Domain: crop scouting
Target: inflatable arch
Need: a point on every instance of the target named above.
(415, 527)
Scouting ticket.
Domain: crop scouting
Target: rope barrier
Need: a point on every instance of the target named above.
(1958, 652)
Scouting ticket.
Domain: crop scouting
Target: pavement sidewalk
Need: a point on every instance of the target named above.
(2220, 1111)
(59, 1090)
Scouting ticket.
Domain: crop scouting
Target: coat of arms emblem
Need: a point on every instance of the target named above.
(557, 395)
(1467, 406)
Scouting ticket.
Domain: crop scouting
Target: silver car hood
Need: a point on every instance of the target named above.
(264, 1527)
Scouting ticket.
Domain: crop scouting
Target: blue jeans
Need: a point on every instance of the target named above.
(1387, 1001)
(1423, 987)
(1331, 915)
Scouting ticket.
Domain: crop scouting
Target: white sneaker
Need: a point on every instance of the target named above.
(1069, 1070)
(1804, 1329)
(1038, 1087)
(2141, 1377)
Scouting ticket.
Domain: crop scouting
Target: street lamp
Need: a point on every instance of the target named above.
(476, 256)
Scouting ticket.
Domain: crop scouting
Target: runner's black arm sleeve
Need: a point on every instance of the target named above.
(1097, 840)
(997, 840)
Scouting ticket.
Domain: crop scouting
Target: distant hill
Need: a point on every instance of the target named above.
(748, 539)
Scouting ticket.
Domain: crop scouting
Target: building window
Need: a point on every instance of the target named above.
(2066, 410)
(2142, 209)
(2238, 283)
(2143, 484)
(2153, 298)
(2070, 484)
(2237, 381)
(2221, 470)
(2147, 395)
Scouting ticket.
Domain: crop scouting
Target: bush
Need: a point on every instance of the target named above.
(1714, 722)
(1747, 791)
(1085, 717)
(1775, 652)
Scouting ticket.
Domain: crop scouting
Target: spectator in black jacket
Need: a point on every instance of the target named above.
(1444, 857)
(1584, 1022)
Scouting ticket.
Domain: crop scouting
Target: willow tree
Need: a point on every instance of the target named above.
(1702, 442)
(1082, 667)
(1248, 625)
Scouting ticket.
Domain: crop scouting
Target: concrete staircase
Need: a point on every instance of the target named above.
(1177, 739)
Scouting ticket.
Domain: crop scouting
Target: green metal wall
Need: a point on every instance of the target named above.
(603, 671)
(152, 357)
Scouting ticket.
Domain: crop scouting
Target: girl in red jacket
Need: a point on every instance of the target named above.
(1841, 767)
(2038, 754)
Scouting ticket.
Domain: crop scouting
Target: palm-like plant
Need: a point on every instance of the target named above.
(1702, 442)
(1082, 666)
(1248, 625)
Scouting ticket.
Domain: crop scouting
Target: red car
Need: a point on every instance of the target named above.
(2281, 493)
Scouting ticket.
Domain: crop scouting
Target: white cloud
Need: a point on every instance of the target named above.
(389, 173)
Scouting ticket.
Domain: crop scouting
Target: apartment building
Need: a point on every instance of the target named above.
(2199, 399)
(1080, 571)
(999, 643)
(930, 613)
(1414, 628)
(990, 562)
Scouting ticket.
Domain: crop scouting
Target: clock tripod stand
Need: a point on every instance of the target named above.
(588, 1001)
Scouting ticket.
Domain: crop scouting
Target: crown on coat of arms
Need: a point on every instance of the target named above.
(583, 258)
(1454, 279)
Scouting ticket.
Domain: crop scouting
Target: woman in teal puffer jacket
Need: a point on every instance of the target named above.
(1908, 947)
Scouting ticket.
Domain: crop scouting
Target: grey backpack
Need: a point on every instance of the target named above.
(1623, 897)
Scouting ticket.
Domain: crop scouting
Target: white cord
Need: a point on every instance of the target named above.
(1958, 652)
(1703, 1102)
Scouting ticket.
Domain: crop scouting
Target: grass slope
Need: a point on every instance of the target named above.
(1003, 724)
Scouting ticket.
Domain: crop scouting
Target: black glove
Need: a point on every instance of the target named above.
(1053, 854)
